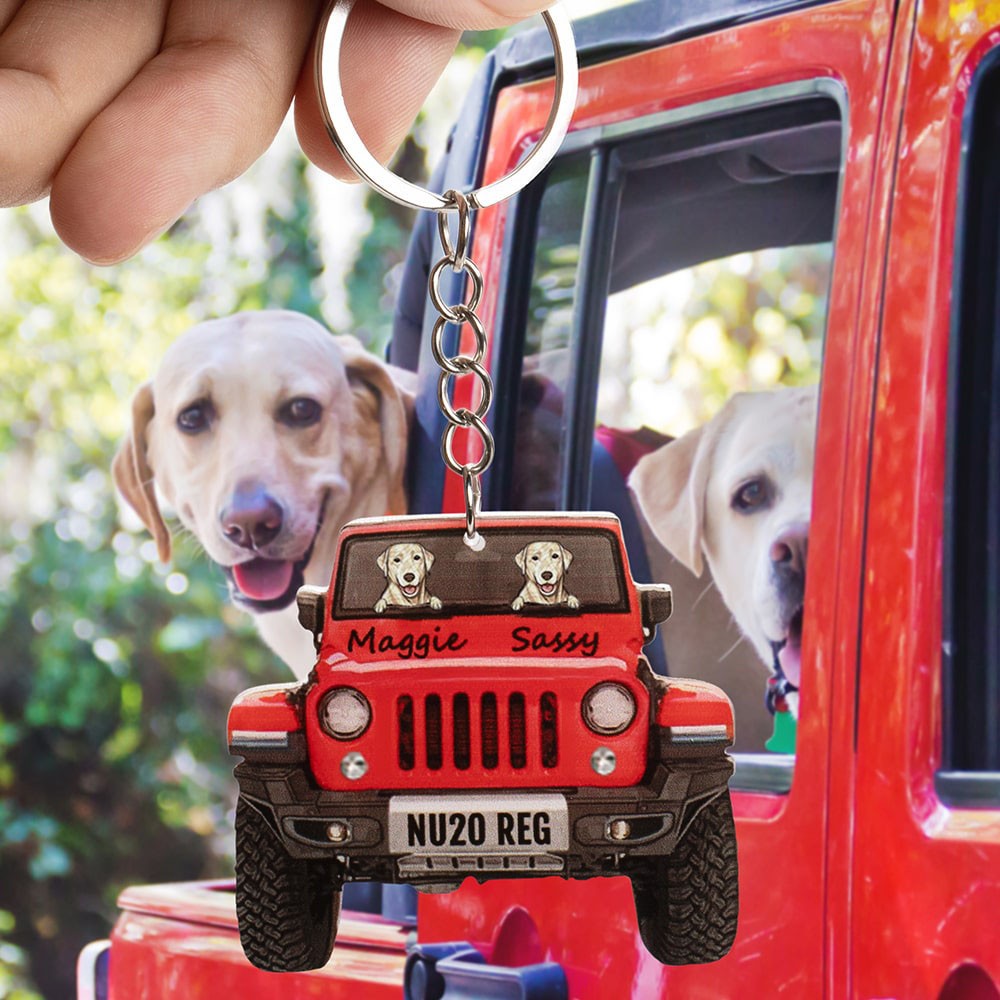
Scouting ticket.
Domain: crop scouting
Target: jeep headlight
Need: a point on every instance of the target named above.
(608, 708)
(344, 713)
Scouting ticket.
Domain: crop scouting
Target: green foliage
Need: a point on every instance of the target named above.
(116, 673)
(374, 280)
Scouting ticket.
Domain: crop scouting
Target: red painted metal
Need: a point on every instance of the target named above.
(182, 940)
(472, 654)
(695, 703)
(264, 708)
(925, 887)
(570, 680)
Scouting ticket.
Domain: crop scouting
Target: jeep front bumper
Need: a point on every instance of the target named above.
(444, 835)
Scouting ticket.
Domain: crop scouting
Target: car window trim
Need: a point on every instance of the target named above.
(971, 644)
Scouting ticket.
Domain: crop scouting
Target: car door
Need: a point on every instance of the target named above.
(926, 865)
(705, 228)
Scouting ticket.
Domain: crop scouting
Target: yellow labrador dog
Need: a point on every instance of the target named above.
(736, 493)
(265, 433)
(406, 565)
(544, 566)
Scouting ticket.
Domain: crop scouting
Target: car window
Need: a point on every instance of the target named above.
(542, 418)
(971, 592)
(674, 269)
(562, 573)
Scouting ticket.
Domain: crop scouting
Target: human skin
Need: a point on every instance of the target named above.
(125, 111)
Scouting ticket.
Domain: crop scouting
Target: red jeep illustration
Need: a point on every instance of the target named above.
(486, 713)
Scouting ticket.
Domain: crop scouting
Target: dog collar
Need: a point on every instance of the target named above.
(778, 686)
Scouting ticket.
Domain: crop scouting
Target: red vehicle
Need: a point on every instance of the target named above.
(865, 130)
(483, 712)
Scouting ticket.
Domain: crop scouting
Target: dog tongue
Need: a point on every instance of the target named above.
(790, 659)
(263, 579)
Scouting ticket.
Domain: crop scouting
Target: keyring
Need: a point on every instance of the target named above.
(345, 136)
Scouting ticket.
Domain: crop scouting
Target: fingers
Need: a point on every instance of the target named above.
(60, 64)
(194, 117)
(128, 111)
(389, 62)
(469, 15)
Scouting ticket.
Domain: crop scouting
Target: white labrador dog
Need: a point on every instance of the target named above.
(736, 493)
(265, 433)
(406, 565)
(544, 565)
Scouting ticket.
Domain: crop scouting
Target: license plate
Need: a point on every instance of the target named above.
(473, 824)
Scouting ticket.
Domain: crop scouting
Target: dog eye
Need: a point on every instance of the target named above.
(300, 412)
(195, 418)
(417, 558)
(751, 496)
(397, 559)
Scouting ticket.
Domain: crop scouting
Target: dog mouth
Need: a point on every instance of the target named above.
(788, 651)
(547, 588)
(410, 590)
(263, 584)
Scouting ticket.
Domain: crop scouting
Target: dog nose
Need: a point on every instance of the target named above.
(253, 518)
(547, 575)
(409, 577)
(790, 549)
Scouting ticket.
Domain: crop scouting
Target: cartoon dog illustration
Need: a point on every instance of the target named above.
(406, 565)
(544, 565)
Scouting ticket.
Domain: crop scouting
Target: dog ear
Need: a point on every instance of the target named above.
(395, 392)
(567, 556)
(428, 557)
(383, 562)
(133, 476)
(521, 557)
(669, 485)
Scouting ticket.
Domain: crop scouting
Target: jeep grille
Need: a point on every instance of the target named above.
(515, 746)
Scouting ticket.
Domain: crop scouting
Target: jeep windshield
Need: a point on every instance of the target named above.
(524, 571)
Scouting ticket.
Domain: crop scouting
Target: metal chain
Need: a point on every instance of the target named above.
(454, 367)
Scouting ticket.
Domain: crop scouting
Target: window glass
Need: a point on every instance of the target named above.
(714, 263)
(541, 419)
(564, 573)
(971, 653)
(678, 346)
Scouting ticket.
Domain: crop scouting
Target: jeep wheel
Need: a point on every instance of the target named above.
(687, 903)
(287, 908)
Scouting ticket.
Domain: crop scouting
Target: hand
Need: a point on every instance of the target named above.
(125, 111)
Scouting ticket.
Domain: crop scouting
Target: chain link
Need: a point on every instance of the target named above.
(455, 366)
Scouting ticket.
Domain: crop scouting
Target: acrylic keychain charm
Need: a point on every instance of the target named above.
(480, 704)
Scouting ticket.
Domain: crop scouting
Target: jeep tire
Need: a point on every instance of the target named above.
(287, 908)
(687, 903)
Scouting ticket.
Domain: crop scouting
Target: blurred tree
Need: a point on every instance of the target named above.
(677, 347)
(116, 672)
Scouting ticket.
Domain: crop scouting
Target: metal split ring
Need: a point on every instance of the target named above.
(457, 252)
(341, 129)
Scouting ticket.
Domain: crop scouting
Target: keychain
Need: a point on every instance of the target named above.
(480, 704)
